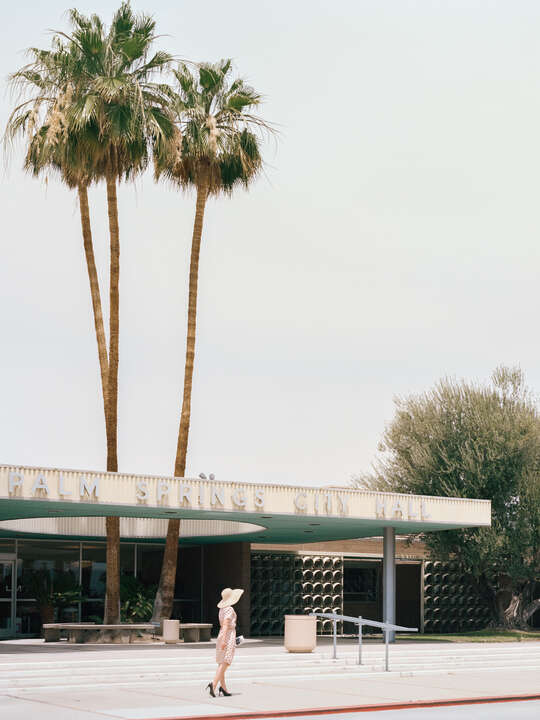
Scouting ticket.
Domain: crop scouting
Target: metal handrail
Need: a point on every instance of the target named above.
(360, 621)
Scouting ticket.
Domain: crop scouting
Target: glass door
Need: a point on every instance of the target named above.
(7, 596)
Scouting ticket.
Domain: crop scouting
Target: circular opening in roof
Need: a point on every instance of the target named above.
(143, 528)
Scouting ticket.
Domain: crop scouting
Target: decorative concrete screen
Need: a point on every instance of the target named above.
(322, 587)
(452, 600)
(289, 584)
(275, 591)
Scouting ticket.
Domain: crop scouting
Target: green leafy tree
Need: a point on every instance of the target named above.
(218, 150)
(93, 114)
(464, 440)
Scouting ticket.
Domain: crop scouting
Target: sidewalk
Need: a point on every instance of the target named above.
(61, 682)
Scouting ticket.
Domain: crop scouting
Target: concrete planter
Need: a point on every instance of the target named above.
(300, 633)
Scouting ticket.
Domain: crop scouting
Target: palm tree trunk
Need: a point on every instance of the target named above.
(163, 602)
(112, 591)
(114, 319)
(94, 291)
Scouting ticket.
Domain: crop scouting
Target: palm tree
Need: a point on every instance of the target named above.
(122, 112)
(220, 150)
(98, 112)
(127, 111)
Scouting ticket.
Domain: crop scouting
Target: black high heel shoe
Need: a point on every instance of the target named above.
(224, 692)
(210, 688)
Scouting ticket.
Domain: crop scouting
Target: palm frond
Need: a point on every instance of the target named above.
(90, 103)
(220, 145)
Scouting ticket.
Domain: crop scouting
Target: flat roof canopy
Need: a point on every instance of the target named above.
(217, 511)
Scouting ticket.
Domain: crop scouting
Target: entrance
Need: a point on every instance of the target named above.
(362, 590)
(7, 596)
(408, 594)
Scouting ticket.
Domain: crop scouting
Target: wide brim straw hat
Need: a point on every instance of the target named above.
(230, 597)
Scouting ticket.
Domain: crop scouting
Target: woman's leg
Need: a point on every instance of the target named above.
(217, 677)
(224, 669)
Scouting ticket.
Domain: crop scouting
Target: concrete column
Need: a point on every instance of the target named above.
(389, 578)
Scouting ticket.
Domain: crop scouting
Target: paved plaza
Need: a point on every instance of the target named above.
(529, 710)
(138, 682)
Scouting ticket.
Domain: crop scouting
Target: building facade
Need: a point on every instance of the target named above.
(293, 549)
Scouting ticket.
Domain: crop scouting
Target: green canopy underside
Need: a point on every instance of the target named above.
(283, 528)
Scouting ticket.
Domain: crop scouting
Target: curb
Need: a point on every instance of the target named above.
(358, 708)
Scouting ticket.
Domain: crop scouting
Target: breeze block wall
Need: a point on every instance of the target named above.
(292, 584)
(452, 601)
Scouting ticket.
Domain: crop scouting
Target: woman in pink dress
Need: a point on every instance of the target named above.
(226, 640)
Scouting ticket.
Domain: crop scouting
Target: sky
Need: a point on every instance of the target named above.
(392, 241)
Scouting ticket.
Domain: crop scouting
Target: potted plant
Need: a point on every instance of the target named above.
(137, 599)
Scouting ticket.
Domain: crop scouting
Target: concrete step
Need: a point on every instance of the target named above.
(145, 675)
(336, 674)
(185, 666)
(249, 658)
(151, 674)
(176, 664)
(151, 667)
(283, 660)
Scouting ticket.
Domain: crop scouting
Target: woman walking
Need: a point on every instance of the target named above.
(226, 640)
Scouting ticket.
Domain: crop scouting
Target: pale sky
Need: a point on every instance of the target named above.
(393, 241)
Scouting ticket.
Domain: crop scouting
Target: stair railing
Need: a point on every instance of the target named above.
(360, 621)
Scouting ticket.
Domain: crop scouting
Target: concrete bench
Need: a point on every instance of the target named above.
(195, 632)
(123, 633)
(93, 633)
(54, 632)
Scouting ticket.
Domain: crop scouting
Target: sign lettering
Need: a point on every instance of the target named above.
(200, 494)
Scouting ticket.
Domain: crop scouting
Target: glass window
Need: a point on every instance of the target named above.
(7, 546)
(60, 560)
(5, 618)
(360, 581)
(28, 618)
(93, 570)
(44, 567)
(149, 558)
(187, 592)
(6, 579)
(127, 558)
(93, 611)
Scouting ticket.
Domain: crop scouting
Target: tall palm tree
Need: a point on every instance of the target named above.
(94, 115)
(122, 111)
(220, 150)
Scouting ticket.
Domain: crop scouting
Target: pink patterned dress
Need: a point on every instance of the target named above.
(227, 635)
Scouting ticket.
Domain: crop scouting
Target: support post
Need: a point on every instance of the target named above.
(360, 640)
(389, 579)
(335, 639)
